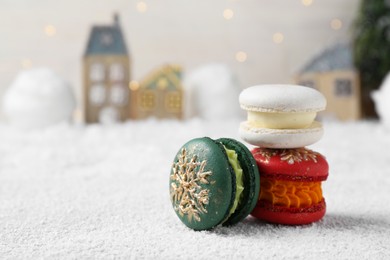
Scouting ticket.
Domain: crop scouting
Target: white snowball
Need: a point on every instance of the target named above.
(38, 98)
(382, 101)
(211, 92)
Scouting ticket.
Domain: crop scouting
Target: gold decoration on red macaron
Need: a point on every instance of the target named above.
(188, 196)
(267, 153)
(298, 155)
(290, 156)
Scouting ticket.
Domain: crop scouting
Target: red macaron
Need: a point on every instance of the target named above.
(290, 185)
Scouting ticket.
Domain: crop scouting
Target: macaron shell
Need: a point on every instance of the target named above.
(282, 98)
(201, 184)
(281, 138)
(283, 216)
(251, 180)
(299, 164)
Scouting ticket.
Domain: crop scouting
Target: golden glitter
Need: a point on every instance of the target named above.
(188, 197)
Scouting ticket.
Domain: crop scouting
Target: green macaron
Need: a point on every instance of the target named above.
(213, 182)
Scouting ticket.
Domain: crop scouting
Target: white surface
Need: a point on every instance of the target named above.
(38, 98)
(102, 193)
(211, 92)
(281, 138)
(382, 101)
(282, 98)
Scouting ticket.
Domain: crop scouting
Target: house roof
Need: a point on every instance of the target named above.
(107, 39)
(171, 74)
(337, 57)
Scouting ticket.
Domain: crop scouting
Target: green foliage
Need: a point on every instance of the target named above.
(372, 42)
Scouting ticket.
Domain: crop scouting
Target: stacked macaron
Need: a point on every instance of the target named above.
(281, 122)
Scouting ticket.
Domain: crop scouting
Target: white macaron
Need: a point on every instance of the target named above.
(281, 116)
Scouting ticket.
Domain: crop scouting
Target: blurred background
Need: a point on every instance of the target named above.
(248, 41)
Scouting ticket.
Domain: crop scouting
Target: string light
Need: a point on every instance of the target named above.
(142, 7)
(307, 2)
(134, 85)
(50, 30)
(336, 24)
(241, 56)
(278, 37)
(228, 14)
(26, 63)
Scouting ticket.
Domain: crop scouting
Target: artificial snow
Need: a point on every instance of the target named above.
(38, 98)
(101, 192)
(211, 93)
(382, 101)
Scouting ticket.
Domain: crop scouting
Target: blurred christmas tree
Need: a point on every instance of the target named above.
(372, 48)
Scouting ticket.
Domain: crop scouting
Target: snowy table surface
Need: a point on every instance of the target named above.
(102, 192)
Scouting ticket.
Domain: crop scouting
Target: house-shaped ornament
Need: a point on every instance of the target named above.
(159, 95)
(106, 75)
(333, 74)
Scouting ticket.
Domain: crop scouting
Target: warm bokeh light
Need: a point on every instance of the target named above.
(50, 30)
(142, 7)
(307, 2)
(26, 63)
(336, 24)
(278, 37)
(241, 56)
(133, 85)
(228, 14)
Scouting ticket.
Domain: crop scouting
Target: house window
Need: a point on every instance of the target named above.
(173, 101)
(119, 95)
(343, 87)
(97, 94)
(96, 72)
(117, 72)
(148, 100)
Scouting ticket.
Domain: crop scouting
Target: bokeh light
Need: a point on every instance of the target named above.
(278, 37)
(336, 24)
(50, 30)
(241, 56)
(228, 14)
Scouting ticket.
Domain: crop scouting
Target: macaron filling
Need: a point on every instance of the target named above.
(290, 194)
(233, 160)
(281, 120)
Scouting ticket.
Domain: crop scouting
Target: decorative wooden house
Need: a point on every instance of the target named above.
(332, 73)
(159, 95)
(106, 75)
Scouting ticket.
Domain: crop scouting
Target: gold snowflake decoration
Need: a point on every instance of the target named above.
(291, 156)
(187, 196)
(298, 155)
(267, 153)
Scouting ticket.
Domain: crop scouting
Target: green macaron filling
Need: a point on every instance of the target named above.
(233, 160)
